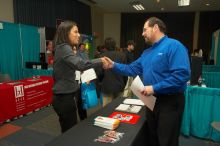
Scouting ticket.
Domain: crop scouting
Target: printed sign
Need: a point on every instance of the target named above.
(125, 117)
(19, 91)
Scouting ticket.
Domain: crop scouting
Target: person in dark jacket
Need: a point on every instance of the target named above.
(113, 84)
(64, 67)
(129, 51)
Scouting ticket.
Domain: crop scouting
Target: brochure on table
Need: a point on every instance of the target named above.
(137, 87)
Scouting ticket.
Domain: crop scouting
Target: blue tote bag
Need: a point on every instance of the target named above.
(89, 95)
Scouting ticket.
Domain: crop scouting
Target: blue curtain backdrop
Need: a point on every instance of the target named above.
(18, 44)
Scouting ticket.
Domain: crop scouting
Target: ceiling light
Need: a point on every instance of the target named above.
(162, 9)
(141, 7)
(183, 3)
(137, 6)
(207, 4)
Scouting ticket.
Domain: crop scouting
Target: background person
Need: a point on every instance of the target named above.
(129, 51)
(50, 52)
(113, 84)
(82, 52)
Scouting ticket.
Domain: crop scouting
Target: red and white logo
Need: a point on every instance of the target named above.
(19, 91)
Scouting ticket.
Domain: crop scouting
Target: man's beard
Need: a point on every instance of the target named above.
(147, 41)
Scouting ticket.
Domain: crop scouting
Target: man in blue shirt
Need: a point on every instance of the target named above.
(165, 70)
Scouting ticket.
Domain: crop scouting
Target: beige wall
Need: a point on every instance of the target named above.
(112, 26)
(104, 24)
(97, 24)
(6, 11)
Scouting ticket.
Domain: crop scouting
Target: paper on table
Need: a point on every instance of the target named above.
(128, 108)
(136, 87)
(88, 75)
(133, 101)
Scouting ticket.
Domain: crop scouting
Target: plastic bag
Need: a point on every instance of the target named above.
(89, 95)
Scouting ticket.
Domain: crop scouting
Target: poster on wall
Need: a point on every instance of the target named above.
(88, 41)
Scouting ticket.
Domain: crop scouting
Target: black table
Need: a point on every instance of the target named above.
(84, 133)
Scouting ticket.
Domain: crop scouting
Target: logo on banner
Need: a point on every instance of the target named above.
(19, 91)
(125, 117)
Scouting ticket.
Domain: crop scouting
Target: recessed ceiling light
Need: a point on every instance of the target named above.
(207, 4)
(137, 6)
(183, 3)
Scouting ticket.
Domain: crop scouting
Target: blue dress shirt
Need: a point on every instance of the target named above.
(165, 66)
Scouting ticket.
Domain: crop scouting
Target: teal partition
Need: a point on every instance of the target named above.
(30, 43)
(10, 48)
(201, 109)
(19, 43)
(210, 68)
(211, 79)
(27, 73)
(211, 74)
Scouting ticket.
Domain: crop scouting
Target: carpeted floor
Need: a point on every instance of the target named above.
(38, 128)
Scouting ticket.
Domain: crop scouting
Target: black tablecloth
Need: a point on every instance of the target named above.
(84, 133)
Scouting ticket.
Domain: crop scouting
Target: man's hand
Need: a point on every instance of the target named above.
(107, 62)
(110, 62)
(148, 90)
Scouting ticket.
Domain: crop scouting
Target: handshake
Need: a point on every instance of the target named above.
(107, 62)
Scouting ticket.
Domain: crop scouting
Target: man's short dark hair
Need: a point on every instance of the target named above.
(154, 20)
(81, 44)
(100, 48)
(110, 44)
(130, 42)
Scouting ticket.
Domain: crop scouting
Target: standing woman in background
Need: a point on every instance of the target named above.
(64, 67)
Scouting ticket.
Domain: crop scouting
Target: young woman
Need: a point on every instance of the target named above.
(64, 67)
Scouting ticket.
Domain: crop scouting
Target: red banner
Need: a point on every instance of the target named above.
(23, 96)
